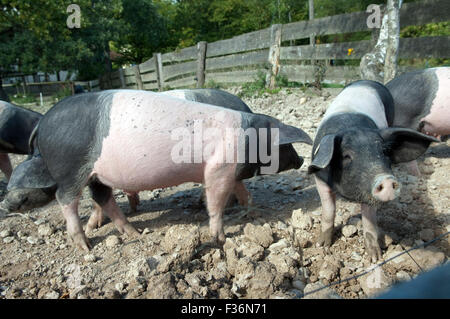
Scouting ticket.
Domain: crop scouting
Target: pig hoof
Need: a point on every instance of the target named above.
(80, 241)
(219, 240)
(372, 247)
(374, 253)
(325, 238)
(129, 230)
(95, 221)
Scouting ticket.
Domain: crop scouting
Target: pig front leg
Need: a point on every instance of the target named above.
(5, 165)
(219, 185)
(328, 200)
(133, 200)
(242, 194)
(413, 168)
(74, 229)
(369, 222)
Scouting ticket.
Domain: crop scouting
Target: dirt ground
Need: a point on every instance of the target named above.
(270, 250)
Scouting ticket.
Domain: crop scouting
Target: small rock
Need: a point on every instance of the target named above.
(22, 234)
(32, 240)
(279, 245)
(112, 294)
(403, 276)
(261, 235)
(355, 221)
(325, 293)
(119, 287)
(90, 258)
(112, 241)
(426, 234)
(302, 100)
(146, 231)
(298, 284)
(52, 294)
(374, 282)
(5, 233)
(328, 271)
(349, 230)
(356, 256)
(8, 240)
(45, 230)
(301, 220)
(40, 221)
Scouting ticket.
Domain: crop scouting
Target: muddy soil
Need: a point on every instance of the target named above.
(270, 250)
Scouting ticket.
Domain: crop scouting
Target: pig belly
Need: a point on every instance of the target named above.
(439, 116)
(141, 167)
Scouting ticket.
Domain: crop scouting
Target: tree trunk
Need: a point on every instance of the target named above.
(3, 94)
(108, 63)
(381, 63)
(312, 40)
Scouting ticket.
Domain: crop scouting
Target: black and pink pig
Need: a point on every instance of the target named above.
(125, 139)
(422, 103)
(352, 155)
(16, 125)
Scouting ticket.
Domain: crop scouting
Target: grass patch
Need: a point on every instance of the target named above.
(62, 93)
(21, 99)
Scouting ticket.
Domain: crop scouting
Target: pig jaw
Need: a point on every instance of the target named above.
(289, 159)
(441, 133)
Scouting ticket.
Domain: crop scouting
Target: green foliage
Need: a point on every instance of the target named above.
(62, 93)
(256, 87)
(211, 84)
(144, 31)
(20, 99)
(430, 30)
(34, 36)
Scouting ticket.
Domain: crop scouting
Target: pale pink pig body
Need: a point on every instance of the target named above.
(131, 166)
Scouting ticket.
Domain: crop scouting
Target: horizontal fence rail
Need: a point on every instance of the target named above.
(270, 52)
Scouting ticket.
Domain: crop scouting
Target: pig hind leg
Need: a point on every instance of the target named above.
(103, 196)
(96, 219)
(5, 165)
(70, 213)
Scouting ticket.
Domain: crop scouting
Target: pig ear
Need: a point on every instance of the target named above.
(32, 173)
(405, 145)
(323, 154)
(290, 134)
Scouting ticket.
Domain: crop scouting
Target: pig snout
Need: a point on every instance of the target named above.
(297, 162)
(385, 188)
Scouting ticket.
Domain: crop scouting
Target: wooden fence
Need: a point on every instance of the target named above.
(49, 88)
(268, 52)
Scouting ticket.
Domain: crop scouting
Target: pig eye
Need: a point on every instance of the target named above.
(347, 159)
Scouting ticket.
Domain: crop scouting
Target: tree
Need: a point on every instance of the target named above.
(144, 31)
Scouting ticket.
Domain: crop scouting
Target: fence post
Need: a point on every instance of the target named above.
(274, 55)
(312, 39)
(159, 72)
(137, 75)
(122, 79)
(201, 62)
